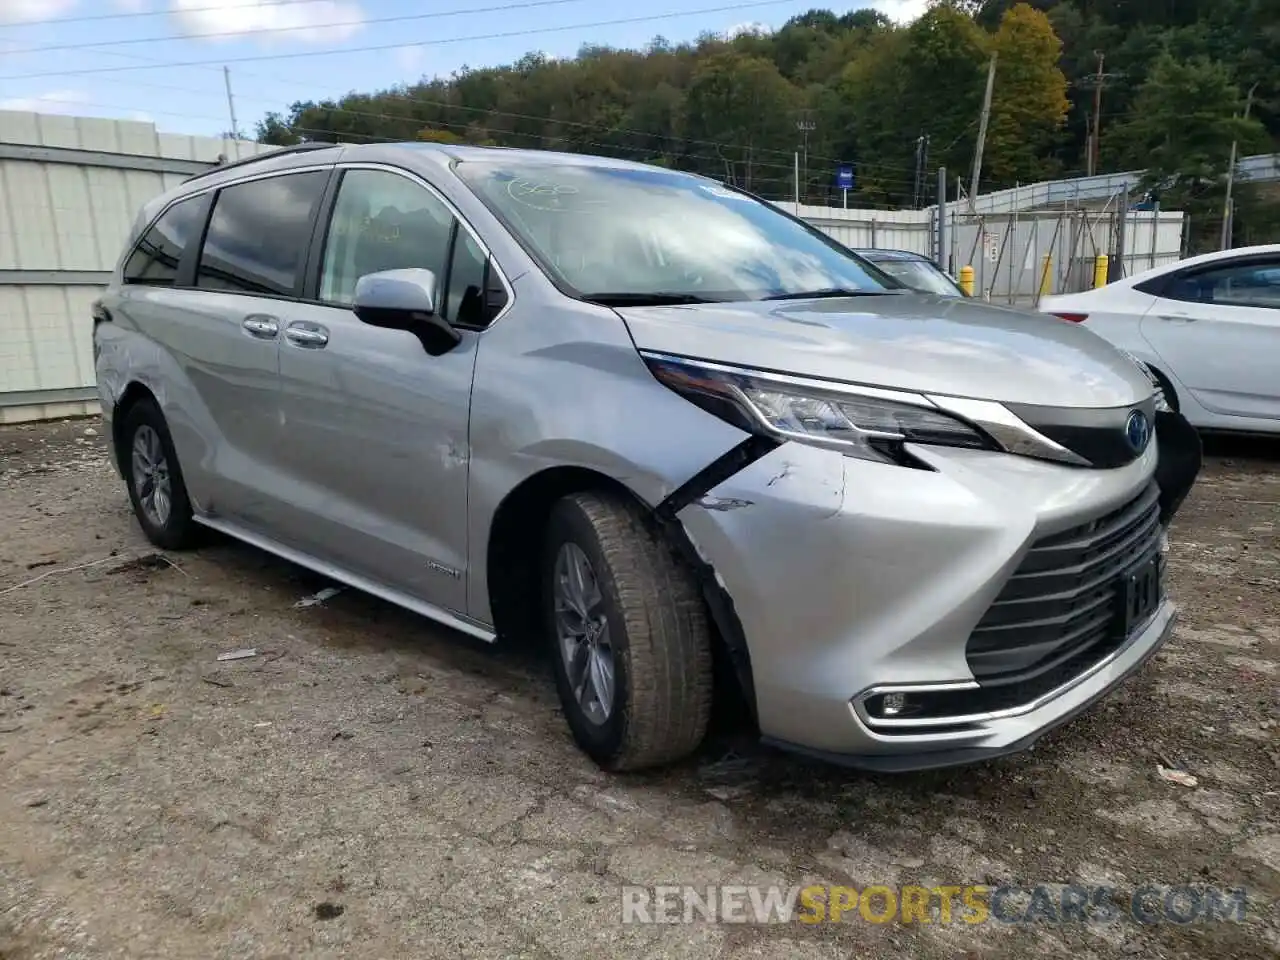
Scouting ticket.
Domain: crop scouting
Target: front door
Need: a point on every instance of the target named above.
(374, 430)
(1218, 329)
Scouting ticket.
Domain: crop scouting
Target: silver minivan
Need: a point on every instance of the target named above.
(681, 436)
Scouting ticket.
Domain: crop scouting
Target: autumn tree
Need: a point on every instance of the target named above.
(1029, 103)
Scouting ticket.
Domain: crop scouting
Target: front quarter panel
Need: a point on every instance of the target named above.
(559, 383)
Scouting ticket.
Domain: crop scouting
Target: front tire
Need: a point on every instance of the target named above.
(154, 478)
(631, 644)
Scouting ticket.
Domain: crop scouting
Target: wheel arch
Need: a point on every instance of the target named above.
(517, 532)
(133, 394)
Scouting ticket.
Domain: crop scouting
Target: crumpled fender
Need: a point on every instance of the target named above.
(1181, 455)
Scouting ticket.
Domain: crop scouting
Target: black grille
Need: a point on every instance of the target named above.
(1059, 613)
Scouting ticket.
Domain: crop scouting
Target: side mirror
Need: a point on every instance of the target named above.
(405, 300)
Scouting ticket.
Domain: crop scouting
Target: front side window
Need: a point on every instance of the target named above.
(382, 221)
(258, 235)
(1253, 284)
(624, 234)
(465, 302)
(156, 258)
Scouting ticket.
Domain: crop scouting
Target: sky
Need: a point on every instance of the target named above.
(162, 60)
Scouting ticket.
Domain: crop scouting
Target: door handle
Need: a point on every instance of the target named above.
(1177, 318)
(310, 335)
(262, 326)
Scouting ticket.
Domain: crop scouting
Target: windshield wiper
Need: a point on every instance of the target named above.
(828, 292)
(606, 299)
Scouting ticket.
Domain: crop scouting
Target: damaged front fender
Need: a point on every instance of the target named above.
(1181, 456)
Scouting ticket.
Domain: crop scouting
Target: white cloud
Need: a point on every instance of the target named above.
(132, 6)
(320, 22)
(66, 102)
(27, 11)
(410, 59)
(902, 11)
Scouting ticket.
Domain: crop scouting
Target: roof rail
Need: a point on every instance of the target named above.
(295, 148)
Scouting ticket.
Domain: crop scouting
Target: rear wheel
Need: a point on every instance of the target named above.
(629, 631)
(151, 471)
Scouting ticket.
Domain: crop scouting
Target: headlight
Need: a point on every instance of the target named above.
(863, 422)
(1161, 402)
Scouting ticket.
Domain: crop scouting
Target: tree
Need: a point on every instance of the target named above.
(748, 107)
(927, 79)
(728, 106)
(1029, 104)
(1185, 117)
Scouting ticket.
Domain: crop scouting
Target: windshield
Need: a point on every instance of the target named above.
(922, 276)
(634, 235)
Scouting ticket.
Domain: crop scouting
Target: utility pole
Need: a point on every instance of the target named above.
(806, 126)
(1093, 138)
(797, 176)
(982, 131)
(1228, 209)
(231, 108)
(921, 181)
(1097, 118)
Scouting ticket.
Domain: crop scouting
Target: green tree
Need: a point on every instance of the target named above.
(748, 107)
(926, 79)
(1184, 120)
(1029, 102)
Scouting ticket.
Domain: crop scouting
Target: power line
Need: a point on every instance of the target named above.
(129, 41)
(374, 48)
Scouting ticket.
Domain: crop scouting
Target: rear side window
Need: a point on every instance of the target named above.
(258, 235)
(1254, 283)
(155, 259)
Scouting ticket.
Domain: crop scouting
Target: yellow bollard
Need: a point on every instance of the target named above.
(1046, 275)
(1100, 271)
(966, 280)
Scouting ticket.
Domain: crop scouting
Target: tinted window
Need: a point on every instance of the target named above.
(382, 221)
(155, 260)
(258, 235)
(635, 232)
(1252, 284)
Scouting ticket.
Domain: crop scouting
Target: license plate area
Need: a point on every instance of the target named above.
(1138, 594)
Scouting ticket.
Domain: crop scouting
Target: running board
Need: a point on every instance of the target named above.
(456, 621)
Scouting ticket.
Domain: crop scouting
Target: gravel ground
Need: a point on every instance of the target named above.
(369, 785)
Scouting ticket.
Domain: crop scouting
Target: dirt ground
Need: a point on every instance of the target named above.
(369, 785)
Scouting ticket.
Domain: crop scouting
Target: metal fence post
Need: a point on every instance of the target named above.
(942, 220)
(1122, 215)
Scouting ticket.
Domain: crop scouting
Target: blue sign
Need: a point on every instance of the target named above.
(844, 178)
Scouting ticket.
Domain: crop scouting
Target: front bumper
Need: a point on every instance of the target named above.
(848, 575)
(1011, 731)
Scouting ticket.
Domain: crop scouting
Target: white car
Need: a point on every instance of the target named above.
(1208, 327)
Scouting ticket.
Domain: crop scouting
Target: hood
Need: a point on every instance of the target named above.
(926, 344)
